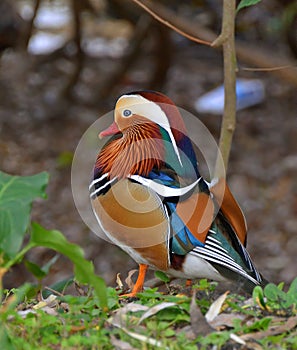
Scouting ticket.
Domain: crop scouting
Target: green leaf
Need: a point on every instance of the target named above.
(83, 269)
(45, 268)
(162, 276)
(272, 292)
(247, 3)
(258, 296)
(35, 269)
(16, 196)
(261, 324)
(5, 340)
(281, 285)
(279, 297)
(59, 286)
(19, 296)
(293, 289)
(41, 272)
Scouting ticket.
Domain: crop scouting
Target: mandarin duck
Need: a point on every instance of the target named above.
(150, 199)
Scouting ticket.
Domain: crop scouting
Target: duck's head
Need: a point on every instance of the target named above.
(136, 110)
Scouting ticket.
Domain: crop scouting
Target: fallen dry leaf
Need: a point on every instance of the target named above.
(24, 313)
(120, 344)
(119, 320)
(128, 280)
(188, 332)
(144, 338)
(50, 310)
(253, 345)
(215, 307)
(119, 281)
(198, 323)
(155, 309)
(120, 316)
(50, 301)
(225, 320)
(237, 339)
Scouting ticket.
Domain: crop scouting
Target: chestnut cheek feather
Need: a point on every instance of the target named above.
(135, 153)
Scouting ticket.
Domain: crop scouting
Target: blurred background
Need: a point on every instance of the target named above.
(64, 62)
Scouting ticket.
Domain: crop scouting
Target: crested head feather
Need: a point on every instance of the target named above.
(169, 108)
(139, 106)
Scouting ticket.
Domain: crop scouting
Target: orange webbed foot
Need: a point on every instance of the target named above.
(138, 287)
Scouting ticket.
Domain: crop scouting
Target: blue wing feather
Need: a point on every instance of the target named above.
(182, 241)
(163, 178)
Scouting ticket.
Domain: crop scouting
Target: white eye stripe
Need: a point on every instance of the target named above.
(152, 111)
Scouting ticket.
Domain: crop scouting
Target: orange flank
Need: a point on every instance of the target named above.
(230, 209)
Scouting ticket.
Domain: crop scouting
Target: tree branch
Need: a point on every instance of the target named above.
(226, 38)
(168, 24)
(250, 54)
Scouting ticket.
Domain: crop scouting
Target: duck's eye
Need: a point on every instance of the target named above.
(126, 112)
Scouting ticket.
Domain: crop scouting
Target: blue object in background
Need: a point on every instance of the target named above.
(248, 93)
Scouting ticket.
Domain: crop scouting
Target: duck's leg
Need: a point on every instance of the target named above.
(138, 287)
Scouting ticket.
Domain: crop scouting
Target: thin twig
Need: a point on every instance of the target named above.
(229, 116)
(31, 23)
(170, 25)
(247, 53)
(265, 69)
(54, 291)
(253, 55)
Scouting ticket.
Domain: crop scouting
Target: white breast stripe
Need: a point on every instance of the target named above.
(168, 230)
(163, 190)
(102, 187)
(98, 180)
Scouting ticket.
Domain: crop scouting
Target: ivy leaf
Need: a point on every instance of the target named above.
(83, 269)
(246, 3)
(16, 196)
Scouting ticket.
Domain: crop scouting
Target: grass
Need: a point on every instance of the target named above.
(154, 320)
